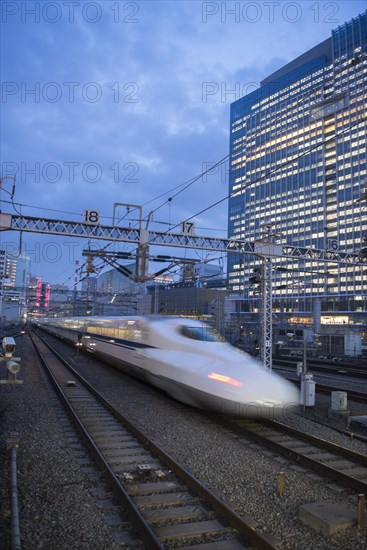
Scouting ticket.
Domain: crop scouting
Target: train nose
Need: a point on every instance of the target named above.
(276, 397)
(286, 391)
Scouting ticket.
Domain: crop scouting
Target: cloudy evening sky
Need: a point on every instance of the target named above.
(108, 101)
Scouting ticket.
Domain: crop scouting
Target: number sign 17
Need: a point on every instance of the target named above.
(188, 228)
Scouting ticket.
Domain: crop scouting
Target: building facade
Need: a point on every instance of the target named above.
(298, 150)
(89, 287)
(14, 279)
(112, 281)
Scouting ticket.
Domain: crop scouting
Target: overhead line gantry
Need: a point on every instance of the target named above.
(138, 236)
(143, 238)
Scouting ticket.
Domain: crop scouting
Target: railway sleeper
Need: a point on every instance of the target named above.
(155, 487)
(192, 530)
(166, 499)
(178, 514)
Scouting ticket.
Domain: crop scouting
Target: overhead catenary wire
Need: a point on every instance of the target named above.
(184, 186)
(273, 170)
(189, 182)
(264, 128)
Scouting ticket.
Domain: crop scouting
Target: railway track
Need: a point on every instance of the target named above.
(334, 461)
(360, 397)
(325, 389)
(339, 369)
(168, 507)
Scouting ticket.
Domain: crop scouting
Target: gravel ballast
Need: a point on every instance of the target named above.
(242, 474)
(57, 509)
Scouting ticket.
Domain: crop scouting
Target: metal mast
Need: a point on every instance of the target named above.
(143, 238)
(266, 314)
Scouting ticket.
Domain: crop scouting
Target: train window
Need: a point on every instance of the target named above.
(73, 323)
(204, 333)
(109, 332)
(91, 329)
(130, 330)
(125, 330)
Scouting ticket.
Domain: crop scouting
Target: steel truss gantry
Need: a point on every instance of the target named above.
(160, 238)
(144, 238)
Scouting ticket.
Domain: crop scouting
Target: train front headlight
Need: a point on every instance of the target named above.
(224, 379)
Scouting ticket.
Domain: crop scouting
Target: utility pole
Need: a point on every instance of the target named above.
(266, 248)
(142, 256)
(266, 313)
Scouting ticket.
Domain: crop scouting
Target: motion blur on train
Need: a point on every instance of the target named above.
(185, 358)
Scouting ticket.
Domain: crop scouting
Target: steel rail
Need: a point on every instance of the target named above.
(244, 527)
(360, 397)
(147, 535)
(249, 430)
(337, 368)
(352, 394)
(348, 453)
(14, 507)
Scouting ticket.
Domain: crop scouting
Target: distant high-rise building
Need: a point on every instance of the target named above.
(298, 161)
(22, 273)
(39, 294)
(89, 287)
(2, 276)
(60, 293)
(14, 278)
(15, 271)
(34, 292)
(10, 271)
(113, 282)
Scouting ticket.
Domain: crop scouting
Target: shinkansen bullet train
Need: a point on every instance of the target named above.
(183, 357)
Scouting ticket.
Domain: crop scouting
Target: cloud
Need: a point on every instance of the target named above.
(124, 111)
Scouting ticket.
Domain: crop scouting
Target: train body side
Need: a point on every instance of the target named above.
(184, 358)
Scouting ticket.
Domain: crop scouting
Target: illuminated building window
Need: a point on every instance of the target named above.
(305, 104)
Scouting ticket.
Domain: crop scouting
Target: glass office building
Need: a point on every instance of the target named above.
(298, 162)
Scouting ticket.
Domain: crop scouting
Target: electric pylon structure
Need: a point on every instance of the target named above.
(144, 238)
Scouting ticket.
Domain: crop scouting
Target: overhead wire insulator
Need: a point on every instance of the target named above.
(188, 272)
(90, 266)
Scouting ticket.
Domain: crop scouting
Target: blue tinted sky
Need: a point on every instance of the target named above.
(108, 101)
